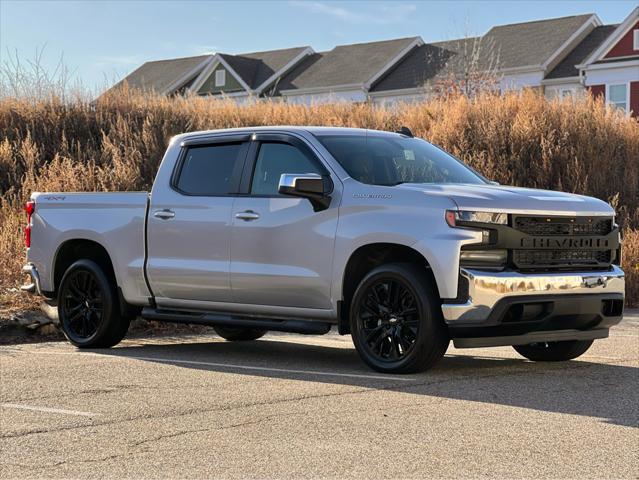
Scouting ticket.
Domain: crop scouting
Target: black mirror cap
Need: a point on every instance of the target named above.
(316, 188)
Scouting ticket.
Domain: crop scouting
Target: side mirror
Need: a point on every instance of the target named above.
(307, 185)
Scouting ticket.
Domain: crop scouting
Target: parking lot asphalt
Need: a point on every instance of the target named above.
(301, 406)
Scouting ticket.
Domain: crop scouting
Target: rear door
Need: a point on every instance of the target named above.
(189, 226)
(281, 248)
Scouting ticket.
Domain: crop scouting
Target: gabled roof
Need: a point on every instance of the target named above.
(532, 44)
(567, 67)
(163, 75)
(254, 69)
(427, 63)
(257, 67)
(516, 46)
(607, 44)
(355, 65)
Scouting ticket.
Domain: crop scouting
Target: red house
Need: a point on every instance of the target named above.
(612, 69)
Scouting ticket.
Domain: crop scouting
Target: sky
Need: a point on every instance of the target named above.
(102, 41)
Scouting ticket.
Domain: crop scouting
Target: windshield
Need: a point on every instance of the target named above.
(390, 160)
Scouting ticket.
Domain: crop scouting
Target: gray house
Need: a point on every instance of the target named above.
(558, 56)
(244, 76)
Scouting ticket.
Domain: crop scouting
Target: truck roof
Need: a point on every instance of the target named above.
(315, 130)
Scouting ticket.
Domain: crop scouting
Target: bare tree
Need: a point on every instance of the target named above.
(468, 66)
(30, 78)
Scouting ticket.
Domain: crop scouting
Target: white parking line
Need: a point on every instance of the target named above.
(229, 365)
(49, 410)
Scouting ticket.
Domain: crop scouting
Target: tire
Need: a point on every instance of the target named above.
(88, 307)
(553, 351)
(237, 334)
(396, 323)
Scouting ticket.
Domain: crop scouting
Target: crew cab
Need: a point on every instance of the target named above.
(302, 229)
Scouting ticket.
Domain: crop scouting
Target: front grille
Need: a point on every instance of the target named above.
(560, 243)
(563, 225)
(530, 259)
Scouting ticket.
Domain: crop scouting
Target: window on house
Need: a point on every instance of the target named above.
(220, 78)
(635, 39)
(618, 96)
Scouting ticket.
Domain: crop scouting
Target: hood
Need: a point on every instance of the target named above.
(497, 198)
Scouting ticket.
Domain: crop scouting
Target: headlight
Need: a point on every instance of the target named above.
(460, 218)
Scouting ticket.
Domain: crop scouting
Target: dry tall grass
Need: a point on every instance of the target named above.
(118, 143)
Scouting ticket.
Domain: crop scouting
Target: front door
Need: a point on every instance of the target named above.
(189, 225)
(281, 249)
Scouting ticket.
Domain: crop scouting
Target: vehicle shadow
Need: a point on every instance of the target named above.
(578, 387)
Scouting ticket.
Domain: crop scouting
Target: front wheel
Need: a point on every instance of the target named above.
(87, 307)
(396, 323)
(553, 351)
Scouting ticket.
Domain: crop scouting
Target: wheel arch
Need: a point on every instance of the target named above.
(364, 259)
(81, 248)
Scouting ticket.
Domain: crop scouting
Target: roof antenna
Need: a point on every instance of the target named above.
(405, 131)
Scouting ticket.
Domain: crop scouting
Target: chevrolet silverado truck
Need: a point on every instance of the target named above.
(299, 229)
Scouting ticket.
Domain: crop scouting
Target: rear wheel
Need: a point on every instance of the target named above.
(396, 324)
(87, 307)
(553, 351)
(234, 334)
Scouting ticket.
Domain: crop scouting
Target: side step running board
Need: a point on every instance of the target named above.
(228, 320)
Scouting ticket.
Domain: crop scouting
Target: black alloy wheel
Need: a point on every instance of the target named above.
(82, 305)
(396, 322)
(239, 334)
(87, 308)
(389, 319)
(553, 351)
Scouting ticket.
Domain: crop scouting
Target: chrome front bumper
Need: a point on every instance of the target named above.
(33, 287)
(485, 289)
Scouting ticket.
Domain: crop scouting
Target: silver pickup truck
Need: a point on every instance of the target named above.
(299, 229)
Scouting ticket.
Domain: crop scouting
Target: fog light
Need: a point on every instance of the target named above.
(486, 258)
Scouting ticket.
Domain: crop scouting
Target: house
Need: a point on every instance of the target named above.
(612, 69)
(345, 73)
(513, 57)
(558, 57)
(241, 77)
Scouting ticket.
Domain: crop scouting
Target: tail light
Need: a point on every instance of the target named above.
(29, 207)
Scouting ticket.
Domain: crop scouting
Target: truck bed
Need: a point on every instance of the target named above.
(114, 220)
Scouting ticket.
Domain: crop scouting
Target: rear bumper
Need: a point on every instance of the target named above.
(34, 286)
(510, 308)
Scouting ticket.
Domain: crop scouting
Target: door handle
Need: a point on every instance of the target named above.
(247, 216)
(165, 214)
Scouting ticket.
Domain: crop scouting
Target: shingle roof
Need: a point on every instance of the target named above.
(254, 68)
(566, 68)
(532, 43)
(158, 75)
(506, 46)
(426, 63)
(344, 65)
(514, 45)
(257, 67)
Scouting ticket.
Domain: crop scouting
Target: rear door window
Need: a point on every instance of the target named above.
(211, 170)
